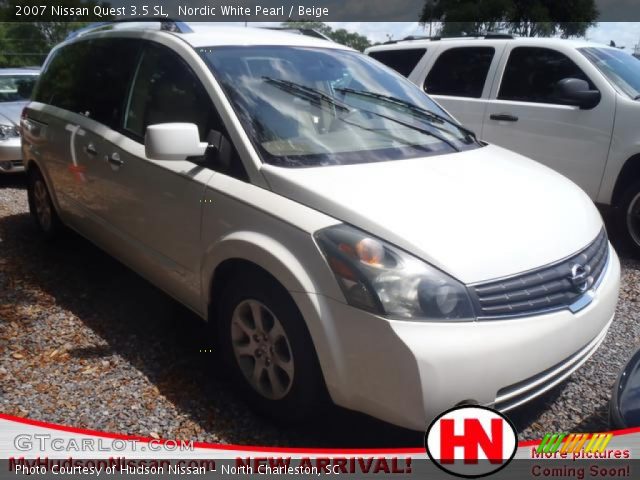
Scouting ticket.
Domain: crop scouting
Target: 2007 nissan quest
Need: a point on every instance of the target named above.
(340, 230)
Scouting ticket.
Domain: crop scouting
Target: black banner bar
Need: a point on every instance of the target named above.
(318, 10)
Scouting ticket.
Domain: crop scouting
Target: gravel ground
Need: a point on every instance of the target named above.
(86, 342)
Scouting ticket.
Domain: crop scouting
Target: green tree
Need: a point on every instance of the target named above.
(528, 18)
(342, 36)
(351, 39)
(28, 43)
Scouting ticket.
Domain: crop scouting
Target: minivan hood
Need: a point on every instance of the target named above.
(479, 215)
(10, 112)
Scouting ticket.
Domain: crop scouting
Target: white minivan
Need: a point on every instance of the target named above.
(342, 234)
(569, 104)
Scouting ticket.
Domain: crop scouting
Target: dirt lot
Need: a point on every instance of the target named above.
(85, 341)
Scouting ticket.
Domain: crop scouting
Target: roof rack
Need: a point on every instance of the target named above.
(308, 32)
(506, 36)
(486, 35)
(166, 25)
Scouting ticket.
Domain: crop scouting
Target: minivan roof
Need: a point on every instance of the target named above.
(200, 34)
(205, 35)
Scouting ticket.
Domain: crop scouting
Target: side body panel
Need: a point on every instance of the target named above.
(625, 144)
(570, 140)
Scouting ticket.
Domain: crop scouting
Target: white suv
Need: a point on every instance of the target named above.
(340, 232)
(572, 105)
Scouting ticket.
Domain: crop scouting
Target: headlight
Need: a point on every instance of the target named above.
(383, 279)
(8, 131)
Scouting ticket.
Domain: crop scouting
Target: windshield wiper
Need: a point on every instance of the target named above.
(409, 106)
(315, 96)
(307, 93)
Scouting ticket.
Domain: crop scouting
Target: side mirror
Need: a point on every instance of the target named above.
(624, 407)
(575, 91)
(173, 141)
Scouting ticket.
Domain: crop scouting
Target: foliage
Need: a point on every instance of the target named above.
(528, 18)
(28, 43)
(342, 36)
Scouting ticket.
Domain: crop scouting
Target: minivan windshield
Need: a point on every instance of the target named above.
(16, 88)
(313, 106)
(622, 69)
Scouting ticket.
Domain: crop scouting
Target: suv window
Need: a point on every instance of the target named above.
(460, 72)
(90, 78)
(532, 73)
(402, 61)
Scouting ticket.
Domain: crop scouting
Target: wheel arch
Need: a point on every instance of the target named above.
(252, 250)
(31, 166)
(629, 173)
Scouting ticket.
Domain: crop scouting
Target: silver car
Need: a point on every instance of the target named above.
(16, 85)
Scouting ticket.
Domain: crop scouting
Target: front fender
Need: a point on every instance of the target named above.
(273, 256)
(265, 252)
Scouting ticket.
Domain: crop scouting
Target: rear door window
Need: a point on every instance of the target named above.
(402, 61)
(111, 65)
(532, 73)
(460, 72)
(63, 76)
(90, 78)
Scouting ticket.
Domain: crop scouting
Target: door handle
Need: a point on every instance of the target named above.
(115, 160)
(91, 150)
(503, 117)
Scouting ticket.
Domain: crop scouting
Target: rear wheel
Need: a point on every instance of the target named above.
(266, 345)
(628, 217)
(41, 207)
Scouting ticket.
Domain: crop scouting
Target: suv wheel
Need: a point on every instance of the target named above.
(41, 207)
(267, 348)
(628, 217)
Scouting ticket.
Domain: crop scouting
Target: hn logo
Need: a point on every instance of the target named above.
(471, 441)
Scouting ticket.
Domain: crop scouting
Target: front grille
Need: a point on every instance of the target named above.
(549, 288)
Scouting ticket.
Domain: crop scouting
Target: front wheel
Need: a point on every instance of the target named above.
(268, 349)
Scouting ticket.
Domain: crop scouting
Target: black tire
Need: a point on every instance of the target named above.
(627, 218)
(41, 207)
(306, 394)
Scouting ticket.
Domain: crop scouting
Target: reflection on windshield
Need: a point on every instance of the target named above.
(15, 88)
(622, 69)
(308, 107)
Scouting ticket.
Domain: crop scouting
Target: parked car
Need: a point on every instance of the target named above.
(624, 405)
(339, 231)
(569, 104)
(16, 85)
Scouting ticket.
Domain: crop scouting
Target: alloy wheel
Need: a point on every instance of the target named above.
(633, 219)
(42, 204)
(262, 349)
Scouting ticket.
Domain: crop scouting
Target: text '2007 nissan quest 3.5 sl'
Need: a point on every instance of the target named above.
(344, 235)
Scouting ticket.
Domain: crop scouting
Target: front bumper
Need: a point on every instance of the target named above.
(11, 156)
(407, 373)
